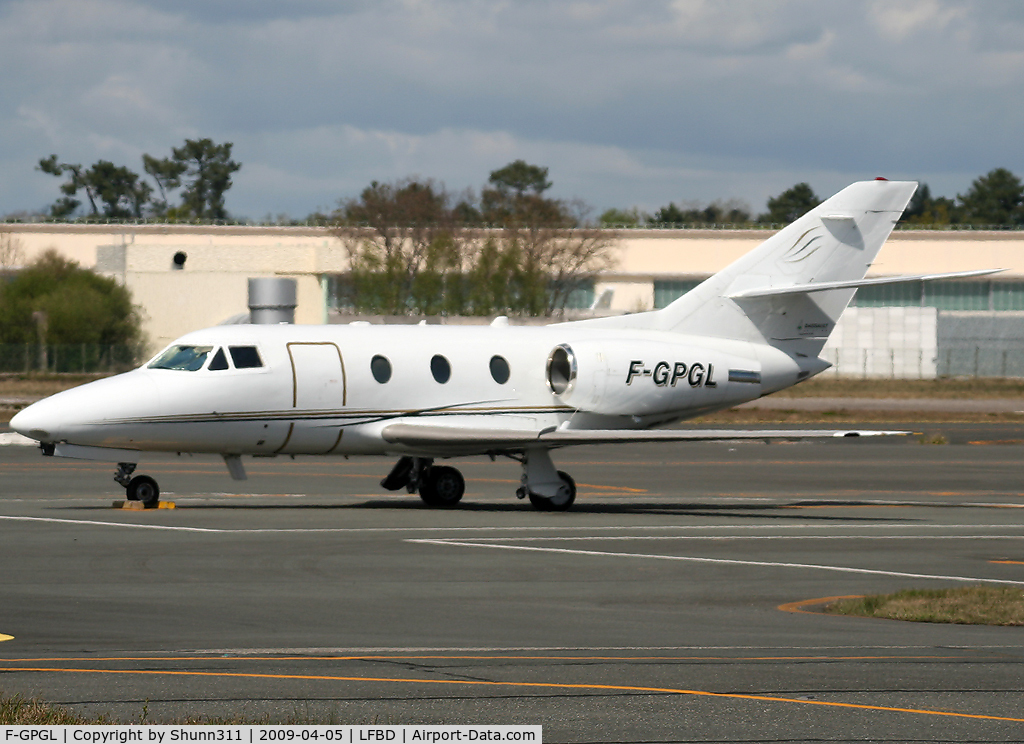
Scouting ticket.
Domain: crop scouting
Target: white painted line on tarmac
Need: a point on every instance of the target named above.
(716, 538)
(536, 528)
(110, 524)
(725, 561)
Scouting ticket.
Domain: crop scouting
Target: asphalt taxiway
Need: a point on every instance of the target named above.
(669, 605)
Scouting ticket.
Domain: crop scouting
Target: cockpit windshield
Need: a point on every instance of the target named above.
(187, 358)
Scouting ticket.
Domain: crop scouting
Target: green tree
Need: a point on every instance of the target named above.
(209, 166)
(790, 205)
(925, 209)
(166, 173)
(670, 214)
(622, 217)
(81, 306)
(121, 192)
(124, 194)
(730, 212)
(997, 198)
(67, 204)
(519, 177)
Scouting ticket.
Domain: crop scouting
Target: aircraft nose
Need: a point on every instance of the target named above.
(40, 421)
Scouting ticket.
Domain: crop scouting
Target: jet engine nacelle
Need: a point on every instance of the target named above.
(646, 377)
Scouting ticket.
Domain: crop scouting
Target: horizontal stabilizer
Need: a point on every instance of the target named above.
(446, 438)
(854, 284)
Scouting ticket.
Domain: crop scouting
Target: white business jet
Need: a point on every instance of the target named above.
(423, 393)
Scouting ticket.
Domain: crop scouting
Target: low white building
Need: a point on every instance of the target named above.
(208, 282)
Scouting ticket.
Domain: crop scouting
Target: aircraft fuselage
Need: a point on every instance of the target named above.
(332, 389)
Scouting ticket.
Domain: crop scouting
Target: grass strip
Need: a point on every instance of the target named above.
(21, 711)
(965, 605)
(17, 710)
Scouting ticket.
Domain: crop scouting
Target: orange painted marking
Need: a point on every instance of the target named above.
(1012, 563)
(533, 685)
(491, 657)
(850, 506)
(578, 485)
(798, 606)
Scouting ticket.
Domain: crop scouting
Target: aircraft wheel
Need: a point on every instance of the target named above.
(143, 488)
(442, 486)
(558, 503)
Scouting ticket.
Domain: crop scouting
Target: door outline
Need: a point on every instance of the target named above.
(295, 377)
(295, 389)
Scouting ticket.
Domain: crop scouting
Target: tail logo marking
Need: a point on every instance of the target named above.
(802, 251)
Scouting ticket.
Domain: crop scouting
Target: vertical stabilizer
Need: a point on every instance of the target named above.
(836, 241)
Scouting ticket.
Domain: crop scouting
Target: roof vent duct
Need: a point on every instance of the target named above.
(272, 301)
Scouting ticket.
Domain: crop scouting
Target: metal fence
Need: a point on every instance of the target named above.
(67, 358)
(978, 360)
(862, 363)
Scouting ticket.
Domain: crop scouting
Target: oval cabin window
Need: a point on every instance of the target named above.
(499, 369)
(380, 367)
(440, 369)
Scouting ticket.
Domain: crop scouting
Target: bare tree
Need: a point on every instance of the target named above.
(414, 248)
(404, 245)
(547, 241)
(11, 254)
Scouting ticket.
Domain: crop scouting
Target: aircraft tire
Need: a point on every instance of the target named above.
(543, 503)
(442, 486)
(143, 488)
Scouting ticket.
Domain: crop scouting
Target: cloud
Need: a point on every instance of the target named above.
(898, 20)
(623, 99)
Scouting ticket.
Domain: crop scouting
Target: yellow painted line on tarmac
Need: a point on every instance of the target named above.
(531, 685)
(5, 638)
(1012, 563)
(798, 607)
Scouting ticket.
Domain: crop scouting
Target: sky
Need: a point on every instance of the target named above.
(627, 102)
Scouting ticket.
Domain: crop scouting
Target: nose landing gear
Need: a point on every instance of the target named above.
(140, 488)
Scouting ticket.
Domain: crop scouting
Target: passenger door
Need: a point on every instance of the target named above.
(318, 397)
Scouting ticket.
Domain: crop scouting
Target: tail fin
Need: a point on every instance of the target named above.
(834, 242)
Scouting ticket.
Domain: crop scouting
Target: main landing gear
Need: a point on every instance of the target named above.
(547, 488)
(140, 488)
(440, 485)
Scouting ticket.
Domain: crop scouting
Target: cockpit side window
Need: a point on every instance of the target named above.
(245, 357)
(185, 358)
(220, 361)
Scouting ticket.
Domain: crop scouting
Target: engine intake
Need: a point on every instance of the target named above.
(561, 370)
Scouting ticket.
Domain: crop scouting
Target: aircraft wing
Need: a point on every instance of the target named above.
(425, 436)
